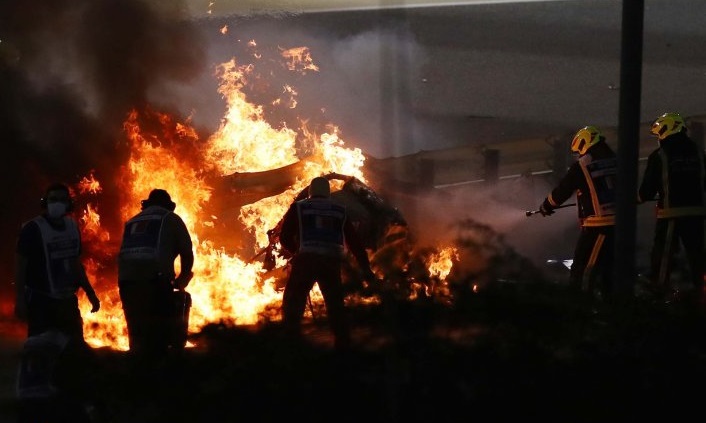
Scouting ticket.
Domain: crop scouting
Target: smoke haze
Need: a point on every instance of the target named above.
(70, 71)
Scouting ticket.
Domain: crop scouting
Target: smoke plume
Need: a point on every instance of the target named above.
(70, 71)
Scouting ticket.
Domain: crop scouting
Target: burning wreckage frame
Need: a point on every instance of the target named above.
(481, 256)
(382, 230)
(477, 256)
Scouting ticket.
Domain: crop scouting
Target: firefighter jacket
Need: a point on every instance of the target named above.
(592, 177)
(152, 240)
(321, 226)
(52, 253)
(675, 173)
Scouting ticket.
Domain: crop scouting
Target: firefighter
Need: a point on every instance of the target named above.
(675, 175)
(49, 271)
(592, 178)
(316, 231)
(152, 240)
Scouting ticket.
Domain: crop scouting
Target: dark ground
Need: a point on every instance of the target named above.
(530, 351)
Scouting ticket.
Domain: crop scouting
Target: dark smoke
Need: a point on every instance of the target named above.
(70, 71)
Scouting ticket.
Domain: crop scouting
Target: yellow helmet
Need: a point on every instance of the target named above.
(585, 138)
(668, 124)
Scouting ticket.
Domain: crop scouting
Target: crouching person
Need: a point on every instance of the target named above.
(53, 380)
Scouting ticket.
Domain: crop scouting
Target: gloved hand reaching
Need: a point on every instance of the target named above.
(546, 209)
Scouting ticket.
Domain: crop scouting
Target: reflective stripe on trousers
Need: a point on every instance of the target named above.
(591, 262)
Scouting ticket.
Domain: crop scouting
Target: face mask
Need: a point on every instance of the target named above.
(56, 210)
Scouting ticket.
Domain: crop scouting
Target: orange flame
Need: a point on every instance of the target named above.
(299, 59)
(226, 288)
(440, 264)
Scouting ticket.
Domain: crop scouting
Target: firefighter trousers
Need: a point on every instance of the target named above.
(592, 268)
(306, 270)
(669, 235)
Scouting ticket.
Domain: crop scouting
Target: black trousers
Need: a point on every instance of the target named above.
(593, 264)
(52, 410)
(669, 235)
(45, 313)
(148, 309)
(306, 270)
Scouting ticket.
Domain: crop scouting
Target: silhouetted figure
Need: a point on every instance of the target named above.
(152, 240)
(54, 380)
(49, 271)
(675, 174)
(316, 232)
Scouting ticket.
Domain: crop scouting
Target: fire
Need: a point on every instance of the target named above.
(440, 264)
(299, 58)
(228, 287)
(245, 142)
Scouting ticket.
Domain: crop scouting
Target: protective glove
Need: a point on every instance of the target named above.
(182, 281)
(546, 209)
(95, 302)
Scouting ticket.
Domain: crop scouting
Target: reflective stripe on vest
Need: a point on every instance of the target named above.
(61, 249)
(591, 221)
(600, 177)
(321, 227)
(673, 212)
(142, 235)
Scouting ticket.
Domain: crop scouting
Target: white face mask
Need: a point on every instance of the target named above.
(56, 210)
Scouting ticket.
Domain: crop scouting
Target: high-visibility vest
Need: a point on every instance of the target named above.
(142, 235)
(600, 177)
(321, 227)
(61, 249)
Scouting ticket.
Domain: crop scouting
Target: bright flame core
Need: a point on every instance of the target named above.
(226, 288)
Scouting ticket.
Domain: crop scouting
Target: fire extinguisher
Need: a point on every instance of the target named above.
(182, 308)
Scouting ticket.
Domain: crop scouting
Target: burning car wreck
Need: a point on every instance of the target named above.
(233, 186)
(382, 228)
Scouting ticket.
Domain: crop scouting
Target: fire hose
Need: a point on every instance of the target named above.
(531, 212)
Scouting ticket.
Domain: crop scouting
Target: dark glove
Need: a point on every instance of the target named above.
(95, 302)
(546, 209)
(182, 281)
